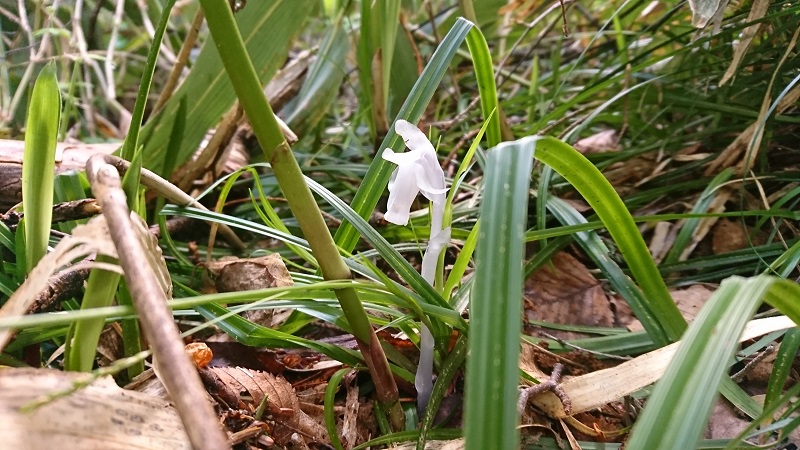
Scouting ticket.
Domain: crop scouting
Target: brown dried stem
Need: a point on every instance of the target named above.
(179, 374)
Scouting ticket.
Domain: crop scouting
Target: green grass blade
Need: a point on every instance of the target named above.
(374, 184)
(484, 74)
(783, 364)
(492, 368)
(389, 253)
(130, 183)
(38, 164)
(83, 337)
(320, 88)
(597, 250)
(688, 228)
(601, 196)
(330, 415)
(681, 401)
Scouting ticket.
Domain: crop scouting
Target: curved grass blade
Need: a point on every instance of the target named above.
(329, 414)
(492, 369)
(682, 399)
(783, 364)
(130, 183)
(389, 253)
(374, 184)
(599, 193)
(319, 90)
(38, 165)
(484, 74)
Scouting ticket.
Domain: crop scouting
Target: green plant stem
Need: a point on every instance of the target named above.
(290, 178)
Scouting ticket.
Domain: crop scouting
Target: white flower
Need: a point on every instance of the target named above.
(417, 171)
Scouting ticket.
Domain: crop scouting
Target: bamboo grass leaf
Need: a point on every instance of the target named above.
(319, 90)
(495, 322)
(683, 398)
(273, 21)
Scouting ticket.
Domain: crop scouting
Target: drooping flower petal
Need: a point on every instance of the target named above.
(413, 137)
(420, 161)
(402, 192)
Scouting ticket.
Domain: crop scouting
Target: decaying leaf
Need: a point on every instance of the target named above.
(757, 11)
(731, 235)
(704, 10)
(91, 238)
(605, 386)
(601, 142)
(565, 292)
(245, 389)
(689, 301)
(100, 416)
(233, 274)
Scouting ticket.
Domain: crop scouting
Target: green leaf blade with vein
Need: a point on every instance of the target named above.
(39, 160)
(492, 368)
(273, 21)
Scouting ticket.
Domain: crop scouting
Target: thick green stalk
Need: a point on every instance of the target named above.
(290, 178)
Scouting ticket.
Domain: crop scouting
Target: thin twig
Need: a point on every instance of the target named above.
(179, 374)
(171, 193)
(112, 43)
(180, 63)
(553, 384)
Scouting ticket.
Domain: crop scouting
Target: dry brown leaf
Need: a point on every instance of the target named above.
(91, 238)
(725, 422)
(689, 301)
(242, 388)
(604, 141)
(100, 416)
(730, 235)
(350, 428)
(757, 11)
(564, 292)
(662, 240)
(704, 227)
(231, 274)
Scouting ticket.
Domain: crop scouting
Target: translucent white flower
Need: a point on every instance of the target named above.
(417, 171)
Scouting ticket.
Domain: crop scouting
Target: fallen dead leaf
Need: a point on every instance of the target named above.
(565, 292)
(730, 235)
(245, 389)
(232, 274)
(689, 301)
(99, 416)
(602, 142)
